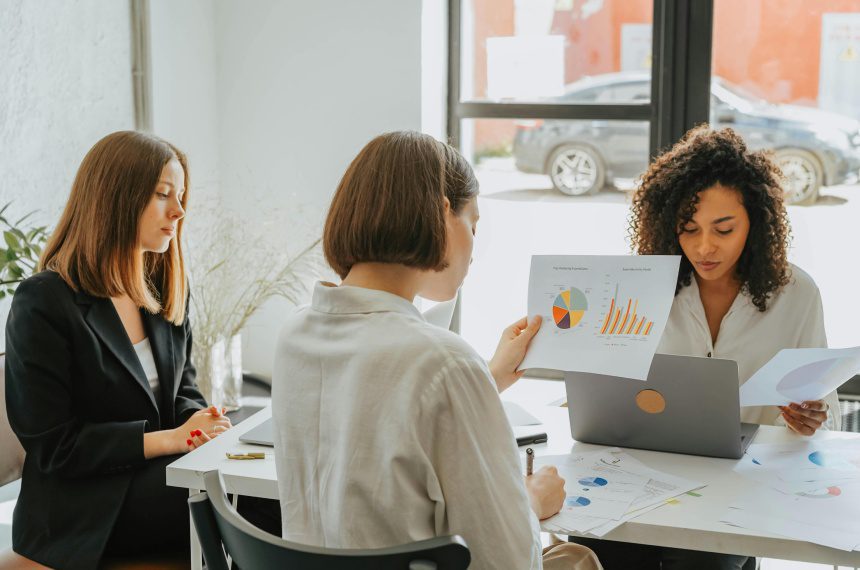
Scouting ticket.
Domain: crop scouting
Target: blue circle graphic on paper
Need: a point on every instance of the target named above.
(593, 482)
(577, 502)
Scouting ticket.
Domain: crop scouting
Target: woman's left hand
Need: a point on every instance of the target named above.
(805, 418)
(511, 351)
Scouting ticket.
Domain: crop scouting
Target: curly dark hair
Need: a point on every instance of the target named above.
(668, 195)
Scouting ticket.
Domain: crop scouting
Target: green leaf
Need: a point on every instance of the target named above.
(22, 220)
(11, 255)
(11, 240)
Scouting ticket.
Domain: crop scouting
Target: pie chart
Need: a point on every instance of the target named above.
(593, 482)
(569, 307)
(825, 493)
(577, 502)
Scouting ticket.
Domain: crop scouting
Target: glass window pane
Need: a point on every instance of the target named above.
(787, 78)
(523, 212)
(536, 50)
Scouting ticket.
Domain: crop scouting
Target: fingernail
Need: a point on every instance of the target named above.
(197, 432)
(188, 441)
(805, 405)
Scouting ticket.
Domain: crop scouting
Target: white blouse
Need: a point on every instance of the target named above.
(144, 353)
(390, 430)
(794, 319)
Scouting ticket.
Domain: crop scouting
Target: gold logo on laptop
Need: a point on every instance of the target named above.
(651, 401)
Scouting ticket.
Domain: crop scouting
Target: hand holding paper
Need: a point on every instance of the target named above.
(799, 375)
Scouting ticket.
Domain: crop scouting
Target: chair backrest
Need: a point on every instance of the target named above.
(11, 452)
(220, 528)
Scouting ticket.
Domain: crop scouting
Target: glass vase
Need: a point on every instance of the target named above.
(219, 372)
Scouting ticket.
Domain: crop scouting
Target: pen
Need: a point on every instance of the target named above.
(246, 456)
(530, 461)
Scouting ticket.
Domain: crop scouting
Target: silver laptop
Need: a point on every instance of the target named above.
(688, 405)
(263, 434)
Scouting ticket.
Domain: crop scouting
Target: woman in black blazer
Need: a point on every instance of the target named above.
(100, 388)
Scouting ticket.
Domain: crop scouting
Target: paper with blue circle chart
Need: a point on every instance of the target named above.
(603, 314)
(595, 490)
(800, 374)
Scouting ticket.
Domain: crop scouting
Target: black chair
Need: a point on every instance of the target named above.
(223, 530)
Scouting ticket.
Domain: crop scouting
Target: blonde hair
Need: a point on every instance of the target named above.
(95, 244)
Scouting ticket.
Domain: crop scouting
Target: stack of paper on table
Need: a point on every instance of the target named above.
(807, 490)
(607, 488)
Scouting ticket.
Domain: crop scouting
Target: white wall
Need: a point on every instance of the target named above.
(65, 82)
(299, 88)
(302, 86)
(184, 98)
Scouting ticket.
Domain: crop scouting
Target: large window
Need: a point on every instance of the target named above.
(556, 104)
(786, 77)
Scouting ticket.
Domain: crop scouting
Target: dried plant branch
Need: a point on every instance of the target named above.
(232, 273)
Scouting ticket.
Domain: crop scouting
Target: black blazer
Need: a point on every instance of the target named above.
(79, 401)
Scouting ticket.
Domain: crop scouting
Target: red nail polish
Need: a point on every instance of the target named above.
(188, 441)
(198, 433)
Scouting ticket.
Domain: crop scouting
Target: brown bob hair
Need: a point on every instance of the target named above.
(389, 205)
(94, 247)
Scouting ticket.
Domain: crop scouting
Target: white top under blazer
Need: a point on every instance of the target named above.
(794, 319)
(390, 430)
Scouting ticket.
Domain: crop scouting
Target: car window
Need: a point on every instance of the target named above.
(589, 95)
(637, 92)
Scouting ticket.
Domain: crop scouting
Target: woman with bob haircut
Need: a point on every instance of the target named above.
(389, 429)
(720, 207)
(99, 381)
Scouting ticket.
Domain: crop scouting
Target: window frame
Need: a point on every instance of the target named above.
(680, 79)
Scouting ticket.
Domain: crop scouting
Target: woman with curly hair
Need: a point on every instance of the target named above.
(719, 206)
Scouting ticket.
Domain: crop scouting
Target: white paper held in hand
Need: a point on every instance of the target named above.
(799, 375)
(603, 314)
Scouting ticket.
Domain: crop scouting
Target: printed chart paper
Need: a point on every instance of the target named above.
(609, 465)
(601, 314)
(800, 374)
(827, 517)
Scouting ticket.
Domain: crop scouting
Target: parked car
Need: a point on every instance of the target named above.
(814, 148)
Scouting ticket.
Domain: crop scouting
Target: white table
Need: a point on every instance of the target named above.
(692, 523)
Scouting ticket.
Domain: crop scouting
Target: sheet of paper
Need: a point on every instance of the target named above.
(658, 488)
(601, 314)
(800, 374)
(518, 416)
(441, 314)
(827, 517)
(807, 460)
(594, 489)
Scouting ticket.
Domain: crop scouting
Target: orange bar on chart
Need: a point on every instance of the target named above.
(648, 328)
(608, 316)
(633, 322)
(615, 322)
(626, 316)
(639, 328)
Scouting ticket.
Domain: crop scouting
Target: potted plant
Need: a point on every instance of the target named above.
(19, 253)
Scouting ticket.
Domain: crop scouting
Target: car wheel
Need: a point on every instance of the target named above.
(803, 175)
(576, 170)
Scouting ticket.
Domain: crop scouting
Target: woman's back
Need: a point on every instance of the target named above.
(390, 430)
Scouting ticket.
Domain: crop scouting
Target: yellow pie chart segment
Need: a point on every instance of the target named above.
(569, 307)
